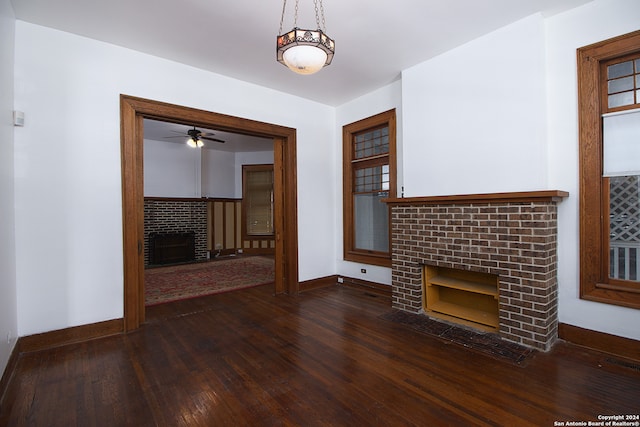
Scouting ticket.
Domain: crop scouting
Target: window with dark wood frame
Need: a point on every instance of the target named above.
(606, 85)
(369, 175)
(257, 201)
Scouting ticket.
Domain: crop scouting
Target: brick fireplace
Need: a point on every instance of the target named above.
(510, 235)
(166, 216)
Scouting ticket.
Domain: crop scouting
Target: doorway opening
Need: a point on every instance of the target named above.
(132, 112)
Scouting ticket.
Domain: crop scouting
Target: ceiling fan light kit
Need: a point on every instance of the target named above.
(305, 51)
(194, 142)
(195, 138)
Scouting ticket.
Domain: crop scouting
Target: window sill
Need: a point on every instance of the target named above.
(605, 293)
(362, 258)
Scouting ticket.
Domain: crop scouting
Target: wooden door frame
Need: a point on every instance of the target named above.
(133, 111)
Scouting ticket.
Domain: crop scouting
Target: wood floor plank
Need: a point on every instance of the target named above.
(323, 358)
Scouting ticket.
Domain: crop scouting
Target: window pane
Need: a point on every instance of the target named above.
(619, 70)
(620, 99)
(623, 83)
(385, 177)
(371, 143)
(371, 222)
(624, 228)
(620, 143)
(371, 179)
(620, 85)
(383, 147)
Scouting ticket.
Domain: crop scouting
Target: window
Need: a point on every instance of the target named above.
(257, 200)
(369, 177)
(609, 119)
(623, 82)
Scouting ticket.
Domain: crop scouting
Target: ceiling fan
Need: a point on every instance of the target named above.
(195, 137)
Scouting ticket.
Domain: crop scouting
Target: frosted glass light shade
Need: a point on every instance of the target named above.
(304, 51)
(194, 143)
(621, 141)
(305, 59)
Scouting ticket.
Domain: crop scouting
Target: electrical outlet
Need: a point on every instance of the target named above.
(9, 337)
(363, 270)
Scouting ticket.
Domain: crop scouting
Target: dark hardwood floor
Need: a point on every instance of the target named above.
(323, 358)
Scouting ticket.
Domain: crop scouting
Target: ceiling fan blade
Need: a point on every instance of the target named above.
(211, 139)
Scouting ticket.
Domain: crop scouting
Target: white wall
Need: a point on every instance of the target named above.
(316, 192)
(594, 22)
(8, 302)
(67, 171)
(218, 174)
(171, 170)
(177, 170)
(381, 100)
(474, 117)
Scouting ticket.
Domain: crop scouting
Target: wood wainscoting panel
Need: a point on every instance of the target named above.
(232, 223)
(224, 226)
(217, 226)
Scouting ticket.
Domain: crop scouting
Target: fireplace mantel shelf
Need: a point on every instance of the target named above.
(520, 196)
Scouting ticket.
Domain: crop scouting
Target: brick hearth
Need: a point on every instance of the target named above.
(511, 235)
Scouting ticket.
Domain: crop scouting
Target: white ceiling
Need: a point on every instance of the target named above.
(155, 130)
(375, 40)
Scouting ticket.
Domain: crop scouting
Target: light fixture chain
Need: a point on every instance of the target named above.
(295, 16)
(284, 7)
(323, 27)
(320, 21)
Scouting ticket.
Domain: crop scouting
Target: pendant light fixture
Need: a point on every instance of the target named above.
(305, 51)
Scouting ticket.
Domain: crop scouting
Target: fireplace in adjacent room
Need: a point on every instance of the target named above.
(174, 219)
(171, 248)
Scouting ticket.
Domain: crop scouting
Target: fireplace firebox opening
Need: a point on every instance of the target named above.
(172, 248)
(463, 297)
